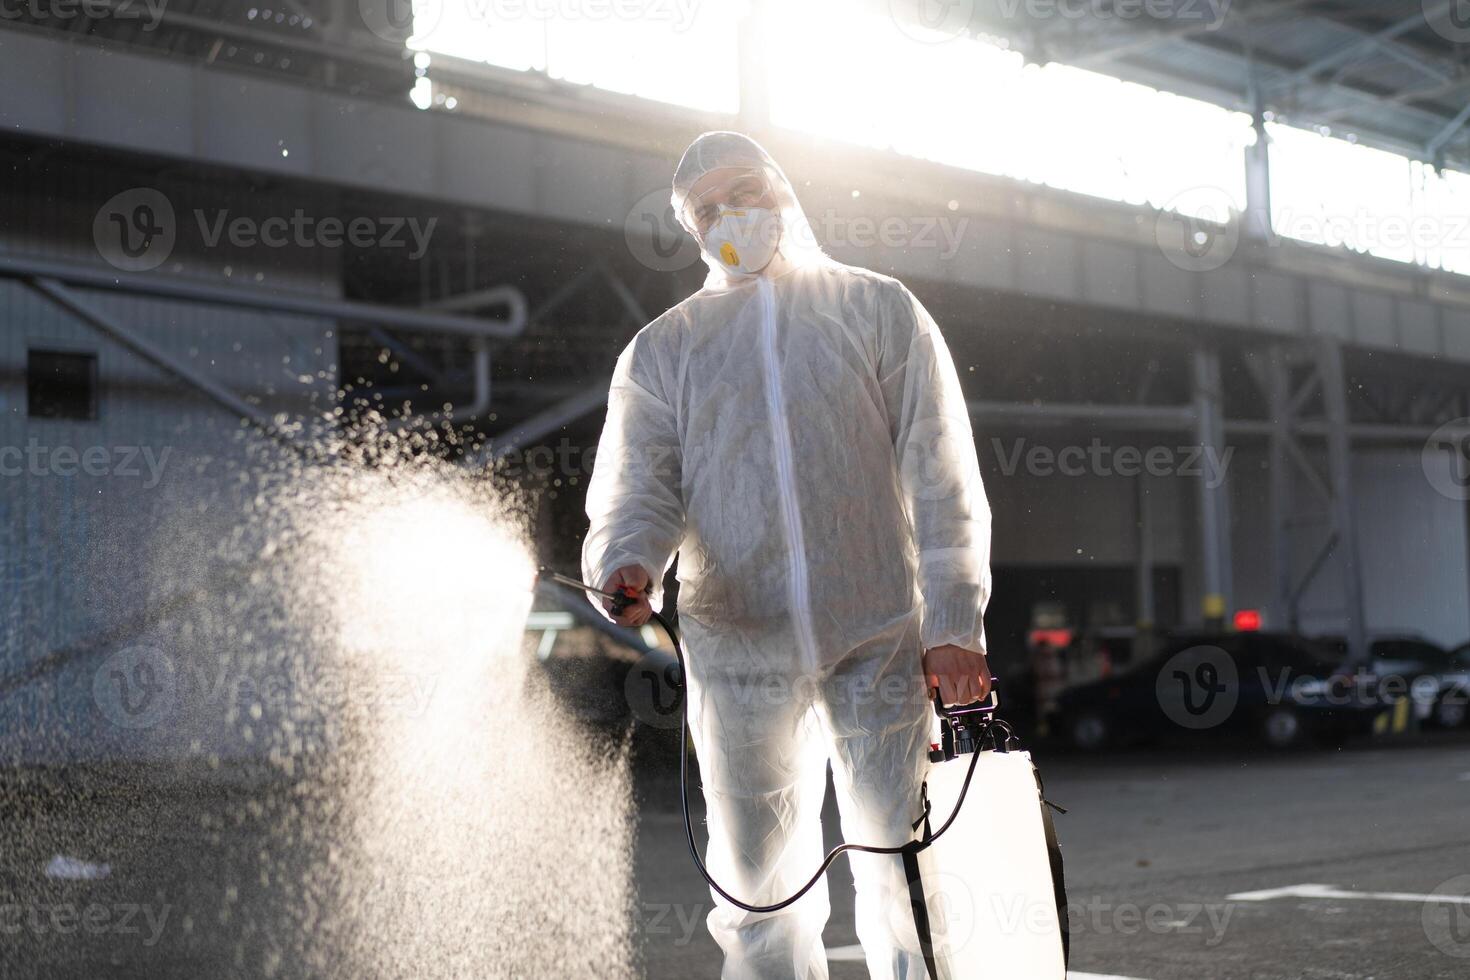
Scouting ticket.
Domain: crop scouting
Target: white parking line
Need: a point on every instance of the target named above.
(1332, 891)
(854, 954)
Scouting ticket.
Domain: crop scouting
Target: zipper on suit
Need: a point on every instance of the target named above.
(786, 480)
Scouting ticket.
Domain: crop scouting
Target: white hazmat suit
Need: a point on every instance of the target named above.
(800, 438)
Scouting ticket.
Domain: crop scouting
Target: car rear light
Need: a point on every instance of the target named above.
(1055, 638)
(1247, 620)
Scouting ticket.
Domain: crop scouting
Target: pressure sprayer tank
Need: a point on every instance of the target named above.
(994, 905)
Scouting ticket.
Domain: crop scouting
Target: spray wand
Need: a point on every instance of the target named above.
(621, 599)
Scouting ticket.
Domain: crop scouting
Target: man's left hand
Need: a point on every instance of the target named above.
(961, 676)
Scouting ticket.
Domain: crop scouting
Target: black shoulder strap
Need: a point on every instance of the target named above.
(1058, 880)
(921, 910)
(917, 901)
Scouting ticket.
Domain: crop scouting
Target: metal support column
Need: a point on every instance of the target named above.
(1277, 382)
(1256, 222)
(1214, 502)
(1340, 479)
(1145, 619)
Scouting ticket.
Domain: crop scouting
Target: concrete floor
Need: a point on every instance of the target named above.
(199, 890)
(1167, 838)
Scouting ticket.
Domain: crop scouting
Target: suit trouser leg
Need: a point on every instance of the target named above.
(879, 720)
(763, 769)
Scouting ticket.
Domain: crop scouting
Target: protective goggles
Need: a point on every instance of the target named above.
(749, 189)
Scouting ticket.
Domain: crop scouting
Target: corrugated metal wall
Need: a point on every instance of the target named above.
(1411, 542)
(99, 519)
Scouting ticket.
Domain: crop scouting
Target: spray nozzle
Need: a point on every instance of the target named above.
(623, 598)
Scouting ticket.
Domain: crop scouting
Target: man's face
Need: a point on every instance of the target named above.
(731, 187)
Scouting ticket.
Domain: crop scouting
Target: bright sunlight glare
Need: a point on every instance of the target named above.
(1331, 192)
(855, 76)
(975, 105)
(681, 51)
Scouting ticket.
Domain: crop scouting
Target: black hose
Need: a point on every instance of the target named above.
(831, 855)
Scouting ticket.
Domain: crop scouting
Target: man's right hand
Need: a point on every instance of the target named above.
(640, 611)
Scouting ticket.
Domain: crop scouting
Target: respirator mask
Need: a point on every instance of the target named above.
(737, 222)
(742, 241)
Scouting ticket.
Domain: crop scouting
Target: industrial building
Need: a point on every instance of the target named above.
(1203, 268)
(1287, 391)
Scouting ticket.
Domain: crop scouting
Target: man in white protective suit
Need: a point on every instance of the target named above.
(797, 433)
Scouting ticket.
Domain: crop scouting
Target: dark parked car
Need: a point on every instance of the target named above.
(1279, 689)
(1452, 705)
(1436, 680)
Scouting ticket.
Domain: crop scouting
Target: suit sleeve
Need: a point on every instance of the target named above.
(634, 500)
(939, 473)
